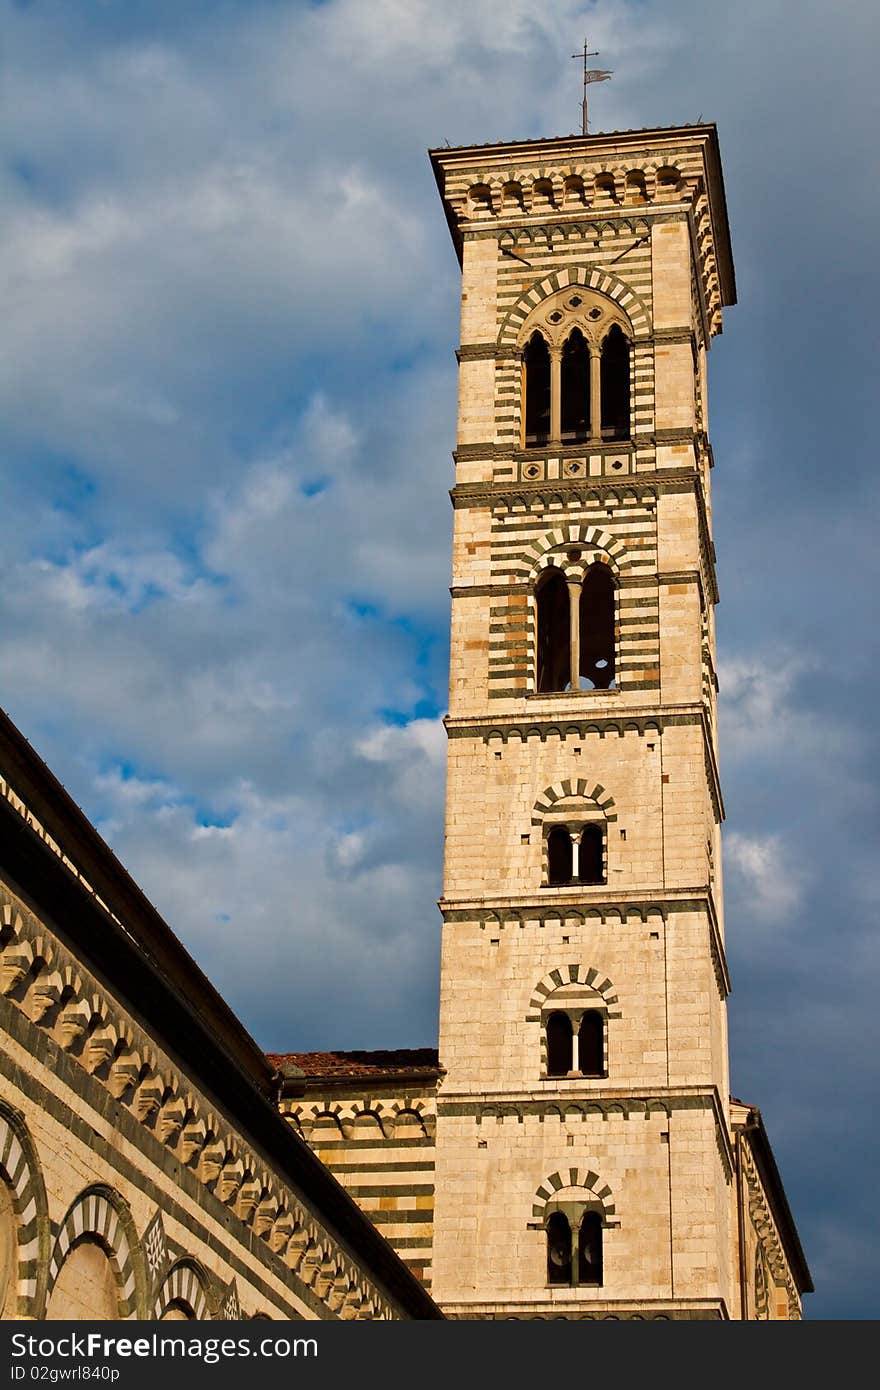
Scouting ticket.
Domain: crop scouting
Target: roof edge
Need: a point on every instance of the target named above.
(772, 1180)
(445, 156)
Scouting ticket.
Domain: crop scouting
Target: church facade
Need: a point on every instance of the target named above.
(573, 1149)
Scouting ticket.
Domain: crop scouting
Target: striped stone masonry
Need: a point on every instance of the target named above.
(623, 238)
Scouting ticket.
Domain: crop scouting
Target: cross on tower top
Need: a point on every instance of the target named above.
(590, 75)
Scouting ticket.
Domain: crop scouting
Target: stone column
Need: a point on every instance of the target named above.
(555, 394)
(595, 394)
(574, 621)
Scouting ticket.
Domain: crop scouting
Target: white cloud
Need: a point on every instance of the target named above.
(757, 709)
(764, 884)
(227, 394)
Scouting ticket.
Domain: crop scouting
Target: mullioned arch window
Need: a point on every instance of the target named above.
(575, 1042)
(572, 1022)
(576, 351)
(575, 833)
(576, 626)
(573, 1212)
(574, 1245)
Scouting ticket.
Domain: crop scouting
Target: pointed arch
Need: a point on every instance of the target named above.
(575, 389)
(588, 277)
(536, 391)
(615, 375)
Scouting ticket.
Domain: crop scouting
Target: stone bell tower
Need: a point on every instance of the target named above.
(585, 1153)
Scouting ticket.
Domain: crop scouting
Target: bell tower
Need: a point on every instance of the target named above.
(585, 1162)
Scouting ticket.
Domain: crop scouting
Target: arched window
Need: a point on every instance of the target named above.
(575, 389)
(591, 856)
(558, 1044)
(554, 635)
(591, 1044)
(590, 1249)
(597, 627)
(614, 385)
(536, 361)
(558, 1249)
(559, 855)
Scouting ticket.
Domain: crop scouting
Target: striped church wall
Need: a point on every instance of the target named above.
(512, 624)
(381, 1148)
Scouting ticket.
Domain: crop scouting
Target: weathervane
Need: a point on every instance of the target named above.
(590, 75)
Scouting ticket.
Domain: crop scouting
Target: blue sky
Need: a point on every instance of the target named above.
(227, 392)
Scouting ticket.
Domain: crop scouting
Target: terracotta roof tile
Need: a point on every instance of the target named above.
(376, 1063)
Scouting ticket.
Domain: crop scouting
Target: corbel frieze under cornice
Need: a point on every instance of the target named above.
(62, 998)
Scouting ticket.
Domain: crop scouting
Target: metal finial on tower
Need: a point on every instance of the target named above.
(590, 75)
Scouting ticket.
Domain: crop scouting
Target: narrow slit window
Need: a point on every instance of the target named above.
(536, 359)
(575, 404)
(591, 1044)
(558, 1249)
(597, 661)
(614, 385)
(554, 637)
(559, 1039)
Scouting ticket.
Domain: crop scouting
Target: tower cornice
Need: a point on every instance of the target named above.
(456, 167)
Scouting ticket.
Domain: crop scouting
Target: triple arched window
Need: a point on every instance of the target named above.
(577, 392)
(575, 629)
(574, 1247)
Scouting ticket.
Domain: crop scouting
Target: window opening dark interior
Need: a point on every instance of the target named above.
(559, 1037)
(537, 391)
(591, 1058)
(554, 636)
(558, 1249)
(614, 385)
(559, 855)
(590, 1249)
(591, 866)
(575, 389)
(597, 627)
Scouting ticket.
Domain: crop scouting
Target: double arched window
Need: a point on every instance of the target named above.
(576, 391)
(575, 630)
(575, 1042)
(574, 1263)
(575, 856)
